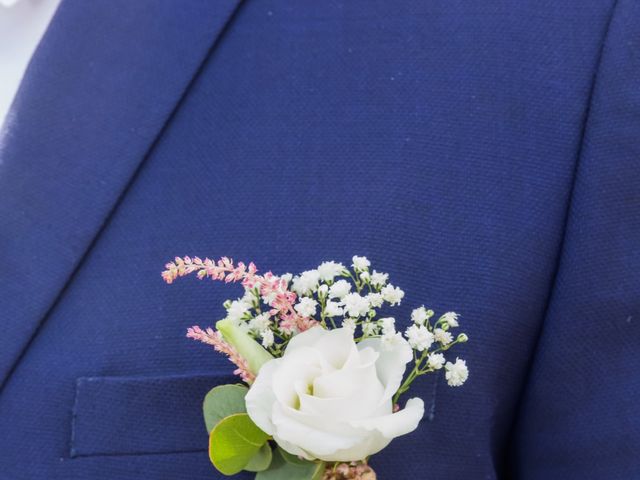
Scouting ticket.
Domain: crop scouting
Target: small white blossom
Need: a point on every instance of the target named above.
(369, 329)
(388, 325)
(237, 309)
(339, 289)
(306, 283)
(350, 324)
(267, 338)
(329, 270)
(378, 279)
(375, 300)
(457, 373)
(419, 315)
(419, 337)
(259, 323)
(360, 263)
(435, 361)
(392, 294)
(248, 297)
(306, 307)
(355, 305)
(445, 338)
(364, 276)
(391, 340)
(333, 309)
(451, 318)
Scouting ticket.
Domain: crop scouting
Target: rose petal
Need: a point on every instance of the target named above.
(391, 364)
(337, 346)
(395, 424)
(301, 367)
(308, 438)
(359, 394)
(344, 382)
(305, 339)
(261, 397)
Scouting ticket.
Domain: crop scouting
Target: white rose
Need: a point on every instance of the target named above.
(330, 399)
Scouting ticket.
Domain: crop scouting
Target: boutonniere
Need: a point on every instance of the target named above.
(324, 375)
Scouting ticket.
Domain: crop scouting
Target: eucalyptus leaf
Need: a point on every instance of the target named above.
(261, 460)
(233, 442)
(281, 469)
(222, 401)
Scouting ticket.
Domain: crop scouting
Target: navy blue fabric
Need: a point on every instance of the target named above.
(103, 423)
(482, 153)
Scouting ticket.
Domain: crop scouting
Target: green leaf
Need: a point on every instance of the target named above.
(281, 469)
(223, 401)
(233, 442)
(261, 460)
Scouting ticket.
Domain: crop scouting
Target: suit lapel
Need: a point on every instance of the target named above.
(102, 84)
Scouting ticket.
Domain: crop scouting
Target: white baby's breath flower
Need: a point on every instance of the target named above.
(419, 315)
(451, 318)
(445, 338)
(392, 294)
(333, 309)
(378, 279)
(419, 337)
(323, 290)
(375, 300)
(355, 305)
(360, 263)
(329, 270)
(306, 307)
(388, 325)
(259, 323)
(457, 373)
(237, 310)
(339, 289)
(248, 297)
(369, 329)
(364, 276)
(435, 361)
(267, 338)
(306, 283)
(349, 324)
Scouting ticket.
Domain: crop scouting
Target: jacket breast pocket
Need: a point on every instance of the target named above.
(140, 415)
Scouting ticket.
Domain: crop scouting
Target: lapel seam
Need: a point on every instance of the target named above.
(217, 38)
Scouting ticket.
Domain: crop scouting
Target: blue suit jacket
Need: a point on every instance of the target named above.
(485, 154)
